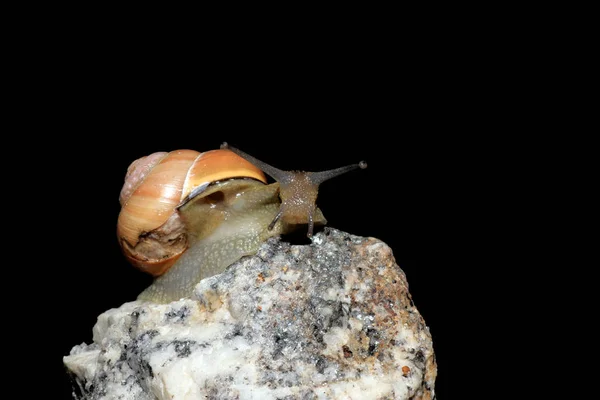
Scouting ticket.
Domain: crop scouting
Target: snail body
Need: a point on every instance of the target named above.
(187, 215)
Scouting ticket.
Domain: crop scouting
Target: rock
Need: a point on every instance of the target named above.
(329, 320)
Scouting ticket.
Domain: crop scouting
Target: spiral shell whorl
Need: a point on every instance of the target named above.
(136, 172)
(156, 195)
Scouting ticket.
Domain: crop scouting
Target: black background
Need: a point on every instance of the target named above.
(462, 114)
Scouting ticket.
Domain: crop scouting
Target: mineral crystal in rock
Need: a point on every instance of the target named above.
(329, 320)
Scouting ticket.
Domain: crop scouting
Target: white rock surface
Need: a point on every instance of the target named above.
(330, 320)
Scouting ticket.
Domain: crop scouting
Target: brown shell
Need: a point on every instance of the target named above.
(149, 230)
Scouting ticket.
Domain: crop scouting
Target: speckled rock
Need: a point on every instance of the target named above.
(329, 320)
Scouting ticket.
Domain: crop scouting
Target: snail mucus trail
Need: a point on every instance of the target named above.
(226, 219)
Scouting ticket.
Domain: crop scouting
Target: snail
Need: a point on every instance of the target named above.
(187, 215)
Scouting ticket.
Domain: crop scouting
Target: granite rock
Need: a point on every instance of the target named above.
(329, 320)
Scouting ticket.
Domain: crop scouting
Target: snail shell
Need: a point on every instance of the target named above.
(150, 229)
